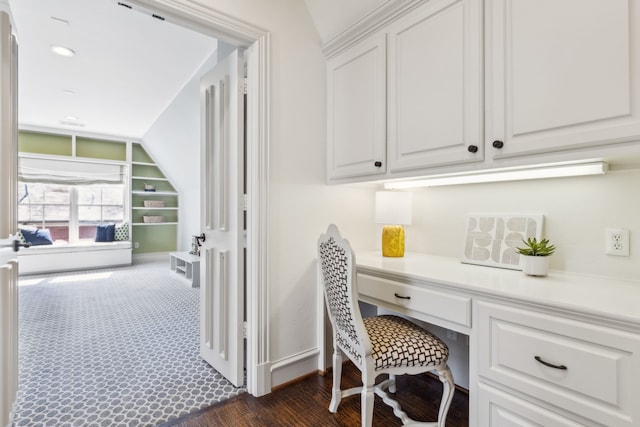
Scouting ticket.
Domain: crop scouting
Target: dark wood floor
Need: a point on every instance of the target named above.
(305, 403)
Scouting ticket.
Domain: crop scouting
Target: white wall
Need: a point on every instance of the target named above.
(174, 143)
(576, 210)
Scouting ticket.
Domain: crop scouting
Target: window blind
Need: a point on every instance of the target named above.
(69, 172)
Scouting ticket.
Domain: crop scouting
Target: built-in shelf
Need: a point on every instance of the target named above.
(161, 236)
(166, 208)
(155, 193)
(148, 178)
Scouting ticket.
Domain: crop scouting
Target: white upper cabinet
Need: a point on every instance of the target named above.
(562, 74)
(356, 108)
(473, 84)
(435, 114)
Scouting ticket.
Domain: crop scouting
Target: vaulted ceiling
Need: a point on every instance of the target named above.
(127, 68)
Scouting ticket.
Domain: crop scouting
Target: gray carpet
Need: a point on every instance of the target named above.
(115, 347)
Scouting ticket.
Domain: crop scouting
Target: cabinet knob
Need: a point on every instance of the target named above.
(377, 164)
(498, 144)
(472, 148)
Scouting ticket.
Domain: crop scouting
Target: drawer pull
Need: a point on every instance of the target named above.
(551, 365)
(400, 296)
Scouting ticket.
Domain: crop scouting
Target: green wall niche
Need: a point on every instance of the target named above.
(101, 149)
(44, 143)
(155, 238)
(139, 154)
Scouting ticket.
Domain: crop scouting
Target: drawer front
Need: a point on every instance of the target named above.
(584, 368)
(449, 307)
(499, 409)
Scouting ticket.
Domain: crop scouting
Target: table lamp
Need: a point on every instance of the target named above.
(393, 209)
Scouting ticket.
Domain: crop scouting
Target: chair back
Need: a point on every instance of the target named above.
(337, 277)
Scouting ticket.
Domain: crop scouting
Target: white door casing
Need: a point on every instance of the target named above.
(222, 201)
(257, 42)
(8, 218)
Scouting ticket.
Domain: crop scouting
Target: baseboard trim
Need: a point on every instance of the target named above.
(293, 367)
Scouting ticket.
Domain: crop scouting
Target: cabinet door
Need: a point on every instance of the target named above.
(586, 369)
(435, 86)
(356, 108)
(562, 74)
(499, 409)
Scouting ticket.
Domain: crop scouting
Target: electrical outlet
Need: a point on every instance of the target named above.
(452, 335)
(136, 245)
(617, 242)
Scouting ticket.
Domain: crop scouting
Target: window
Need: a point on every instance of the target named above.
(70, 199)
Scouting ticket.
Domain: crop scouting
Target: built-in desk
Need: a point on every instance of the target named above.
(563, 350)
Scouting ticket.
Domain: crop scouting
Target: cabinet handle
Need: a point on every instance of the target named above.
(551, 365)
(377, 164)
(498, 144)
(400, 296)
(472, 148)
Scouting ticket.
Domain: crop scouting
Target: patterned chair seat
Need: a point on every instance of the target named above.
(396, 342)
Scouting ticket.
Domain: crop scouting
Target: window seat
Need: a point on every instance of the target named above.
(64, 256)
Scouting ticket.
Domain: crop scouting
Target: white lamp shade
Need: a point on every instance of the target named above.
(393, 207)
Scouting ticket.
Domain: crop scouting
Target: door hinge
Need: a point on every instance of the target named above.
(245, 202)
(244, 330)
(243, 86)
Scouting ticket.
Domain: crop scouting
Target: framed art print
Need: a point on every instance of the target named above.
(492, 239)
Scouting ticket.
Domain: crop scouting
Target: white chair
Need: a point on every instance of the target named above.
(376, 345)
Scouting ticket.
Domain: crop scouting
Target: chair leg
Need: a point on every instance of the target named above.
(367, 400)
(392, 385)
(336, 394)
(448, 388)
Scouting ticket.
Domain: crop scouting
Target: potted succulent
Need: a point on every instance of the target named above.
(535, 261)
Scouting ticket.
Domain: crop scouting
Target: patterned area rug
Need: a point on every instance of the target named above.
(116, 347)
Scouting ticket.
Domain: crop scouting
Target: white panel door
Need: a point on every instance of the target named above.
(8, 221)
(435, 86)
(222, 183)
(562, 74)
(356, 110)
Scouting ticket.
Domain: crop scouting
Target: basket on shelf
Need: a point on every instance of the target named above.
(149, 187)
(153, 203)
(152, 218)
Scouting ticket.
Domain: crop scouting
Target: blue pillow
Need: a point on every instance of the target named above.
(37, 237)
(105, 232)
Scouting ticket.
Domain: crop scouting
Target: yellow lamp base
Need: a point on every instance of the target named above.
(393, 241)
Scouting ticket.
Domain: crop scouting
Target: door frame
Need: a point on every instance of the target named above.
(257, 42)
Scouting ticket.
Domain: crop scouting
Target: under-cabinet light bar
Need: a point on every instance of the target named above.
(507, 174)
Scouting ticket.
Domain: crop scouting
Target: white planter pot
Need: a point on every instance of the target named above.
(535, 265)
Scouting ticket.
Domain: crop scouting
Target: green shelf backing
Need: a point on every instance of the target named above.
(43, 143)
(155, 238)
(101, 149)
(138, 185)
(147, 170)
(169, 201)
(138, 154)
(169, 216)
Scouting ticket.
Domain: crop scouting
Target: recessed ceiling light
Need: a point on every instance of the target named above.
(72, 118)
(62, 51)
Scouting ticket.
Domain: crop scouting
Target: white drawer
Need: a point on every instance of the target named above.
(498, 409)
(586, 369)
(449, 307)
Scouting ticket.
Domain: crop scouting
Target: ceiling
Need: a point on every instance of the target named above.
(127, 69)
